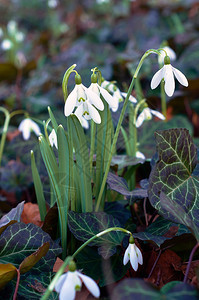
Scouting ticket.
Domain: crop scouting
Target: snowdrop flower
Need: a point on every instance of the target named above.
(88, 111)
(140, 155)
(169, 52)
(53, 138)
(69, 283)
(117, 94)
(12, 27)
(133, 254)
(6, 44)
(79, 95)
(99, 90)
(26, 126)
(166, 73)
(146, 114)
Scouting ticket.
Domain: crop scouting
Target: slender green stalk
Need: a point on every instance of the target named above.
(69, 258)
(92, 148)
(163, 100)
(4, 132)
(98, 204)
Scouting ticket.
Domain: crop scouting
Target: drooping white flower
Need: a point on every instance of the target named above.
(140, 155)
(6, 44)
(53, 138)
(117, 94)
(94, 87)
(26, 126)
(170, 52)
(82, 120)
(80, 94)
(167, 73)
(88, 111)
(146, 114)
(69, 283)
(133, 254)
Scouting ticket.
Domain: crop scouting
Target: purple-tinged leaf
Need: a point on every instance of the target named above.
(14, 214)
(119, 185)
(173, 175)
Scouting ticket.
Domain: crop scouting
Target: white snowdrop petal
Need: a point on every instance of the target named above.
(140, 259)
(26, 133)
(95, 99)
(53, 138)
(71, 102)
(140, 119)
(81, 92)
(35, 128)
(180, 76)
(67, 291)
(79, 111)
(133, 258)
(126, 255)
(84, 123)
(140, 155)
(90, 284)
(169, 86)
(94, 113)
(158, 114)
(60, 282)
(157, 77)
(94, 88)
(131, 98)
(108, 98)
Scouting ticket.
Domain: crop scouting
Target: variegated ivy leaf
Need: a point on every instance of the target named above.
(175, 175)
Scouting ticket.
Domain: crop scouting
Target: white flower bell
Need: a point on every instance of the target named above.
(69, 283)
(53, 138)
(133, 254)
(79, 95)
(26, 126)
(166, 73)
(146, 114)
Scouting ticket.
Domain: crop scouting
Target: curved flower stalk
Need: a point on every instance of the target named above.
(53, 138)
(116, 94)
(69, 283)
(133, 254)
(26, 126)
(81, 95)
(167, 73)
(146, 114)
(170, 52)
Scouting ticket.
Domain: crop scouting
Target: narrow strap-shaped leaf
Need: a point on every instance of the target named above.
(126, 141)
(82, 161)
(53, 120)
(38, 188)
(64, 172)
(53, 175)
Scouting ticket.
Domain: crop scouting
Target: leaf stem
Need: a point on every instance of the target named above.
(189, 262)
(17, 285)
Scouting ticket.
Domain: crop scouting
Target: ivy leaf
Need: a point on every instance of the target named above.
(119, 185)
(139, 289)
(7, 273)
(118, 211)
(161, 230)
(14, 214)
(86, 225)
(32, 259)
(20, 240)
(174, 176)
(2, 228)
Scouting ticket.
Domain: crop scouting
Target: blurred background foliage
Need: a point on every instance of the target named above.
(40, 39)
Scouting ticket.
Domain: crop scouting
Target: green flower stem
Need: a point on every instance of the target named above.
(98, 204)
(92, 148)
(8, 116)
(4, 132)
(100, 234)
(69, 258)
(163, 100)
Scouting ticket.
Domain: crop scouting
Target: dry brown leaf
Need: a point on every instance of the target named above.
(31, 214)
